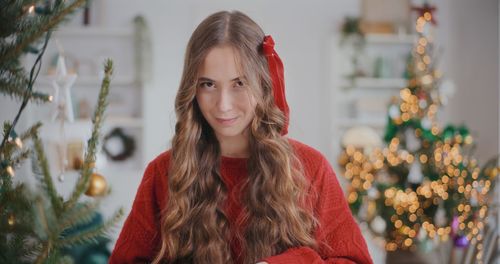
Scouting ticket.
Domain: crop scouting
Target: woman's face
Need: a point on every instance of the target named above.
(223, 95)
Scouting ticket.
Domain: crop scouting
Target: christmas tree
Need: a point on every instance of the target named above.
(39, 225)
(425, 186)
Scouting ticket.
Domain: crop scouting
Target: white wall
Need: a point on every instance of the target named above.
(468, 34)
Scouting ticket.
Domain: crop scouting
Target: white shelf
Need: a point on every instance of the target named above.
(91, 81)
(123, 121)
(98, 32)
(373, 122)
(377, 83)
(374, 94)
(403, 39)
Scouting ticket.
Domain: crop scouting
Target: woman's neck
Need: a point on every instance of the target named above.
(235, 147)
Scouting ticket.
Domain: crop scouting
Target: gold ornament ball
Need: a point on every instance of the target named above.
(493, 172)
(97, 185)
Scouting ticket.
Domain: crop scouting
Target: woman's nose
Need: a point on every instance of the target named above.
(224, 100)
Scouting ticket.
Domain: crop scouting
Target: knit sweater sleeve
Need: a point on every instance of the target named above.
(338, 235)
(138, 238)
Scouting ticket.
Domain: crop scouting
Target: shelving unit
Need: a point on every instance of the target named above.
(363, 101)
(85, 49)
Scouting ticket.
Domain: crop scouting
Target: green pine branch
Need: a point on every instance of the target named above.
(91, 234)
(13, 82)
(18, 159)
(82, 214)
(82, 184)
(11, 148)
(31, 132)
(44, 220)
(8, 147)
(35, 70)
(46, 180)
(72, 212)
(37, 28)
(26, 31)
(47, 233)
(34, 227)
(12, 12)
(17, 237)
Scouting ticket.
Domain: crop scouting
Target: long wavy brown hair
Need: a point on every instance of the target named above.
(276, 211)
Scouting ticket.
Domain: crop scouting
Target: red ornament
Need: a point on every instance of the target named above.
(426, 8)
(422, 95)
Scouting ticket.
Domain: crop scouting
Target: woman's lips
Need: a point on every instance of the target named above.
(226, 121)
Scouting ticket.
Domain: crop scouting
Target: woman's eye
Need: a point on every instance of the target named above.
(206, 85)
(240, 84)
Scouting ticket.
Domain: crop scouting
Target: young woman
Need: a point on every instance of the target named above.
(233, 189)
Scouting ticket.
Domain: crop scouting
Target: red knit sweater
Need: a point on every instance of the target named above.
(139, 237)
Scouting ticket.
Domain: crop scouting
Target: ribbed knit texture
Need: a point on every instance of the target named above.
(338, 234)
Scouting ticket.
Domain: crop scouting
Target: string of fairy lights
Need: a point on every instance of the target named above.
(14, 143)
(450, 200)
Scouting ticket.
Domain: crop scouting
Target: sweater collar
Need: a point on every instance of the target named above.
(230, 162)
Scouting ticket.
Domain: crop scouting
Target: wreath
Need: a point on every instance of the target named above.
(117, 145)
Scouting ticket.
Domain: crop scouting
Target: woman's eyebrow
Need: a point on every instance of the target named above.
(210, 80)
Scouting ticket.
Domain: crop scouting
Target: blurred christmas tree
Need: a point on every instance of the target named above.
(38, 225)
(425, 187)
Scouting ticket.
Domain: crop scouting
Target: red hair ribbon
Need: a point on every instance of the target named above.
(278, 78)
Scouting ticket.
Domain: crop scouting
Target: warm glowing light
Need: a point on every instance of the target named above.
(423, 158)
(427, 79)
(420, 50)
(11, 220)
(31, 9)
(445, 179)
(422, 41)
(391, 246)
(10, 171)
(405, 94)
(350, 150)
(426, 59)
(353, 196)
(405, 117)
(427, 16)
(434, 130)
(421, 66)
(18, 142)
(413, 217)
